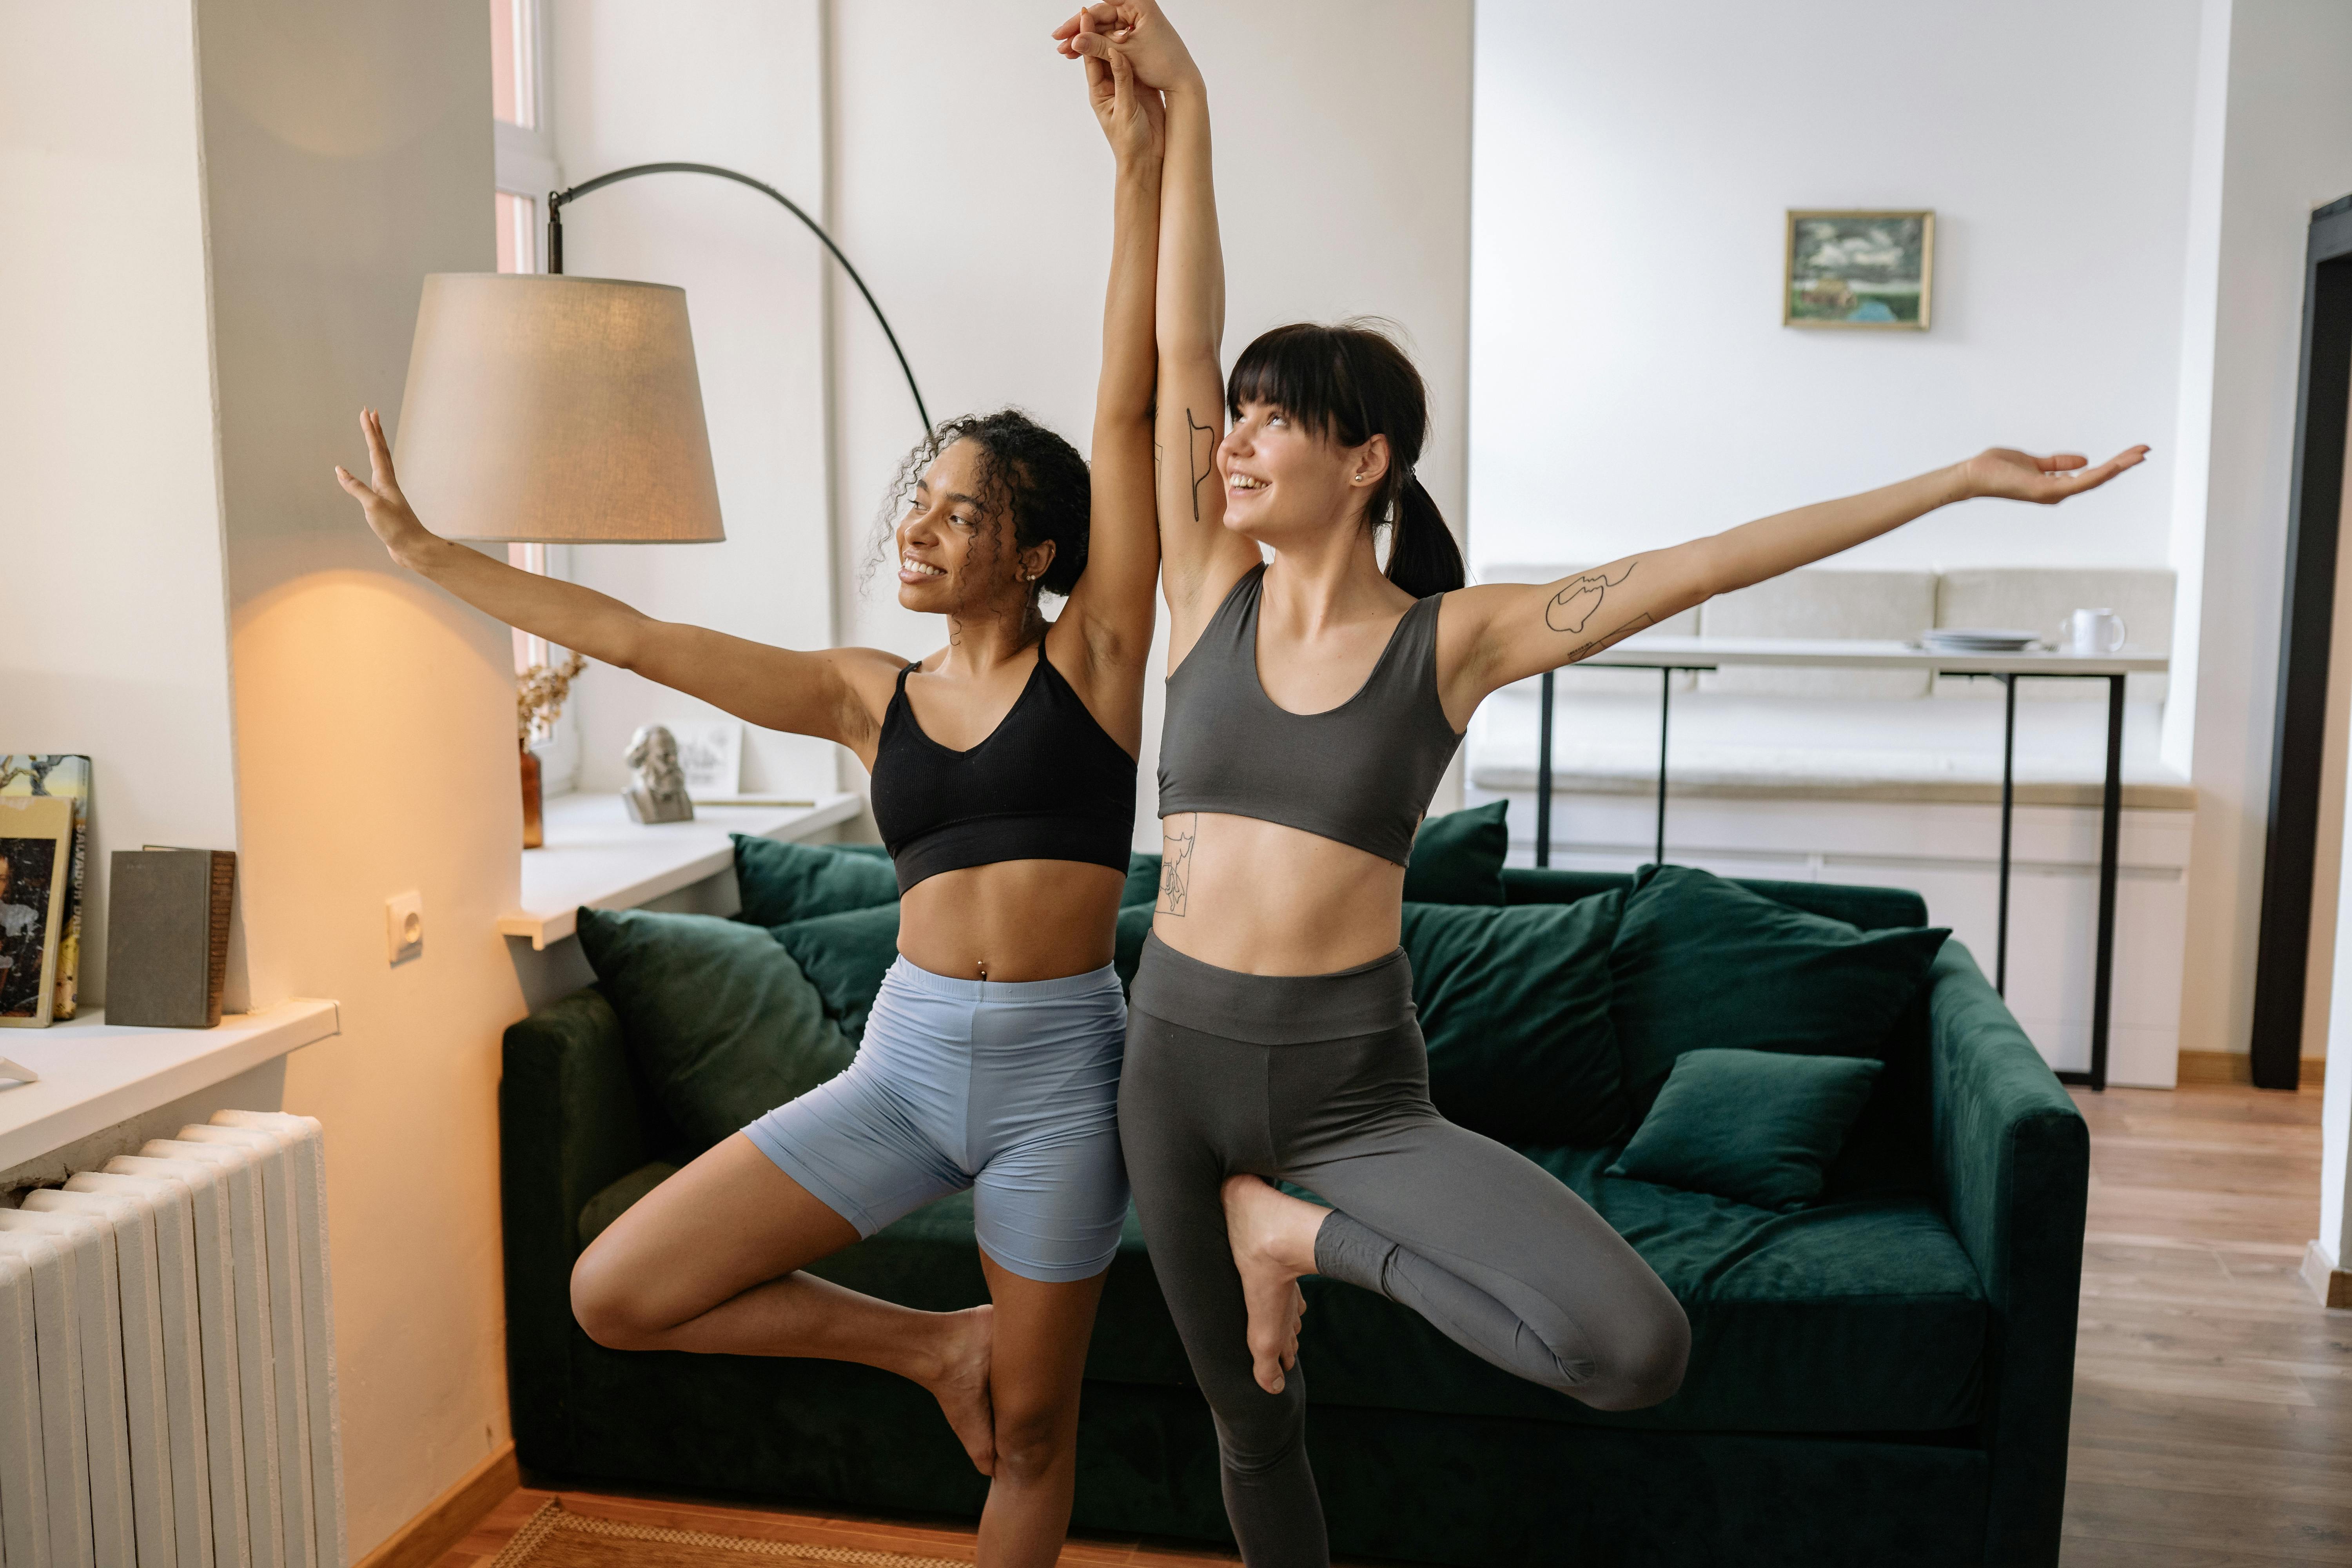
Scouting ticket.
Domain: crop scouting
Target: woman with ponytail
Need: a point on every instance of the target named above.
(1314, 701)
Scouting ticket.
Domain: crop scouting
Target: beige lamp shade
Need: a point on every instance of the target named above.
(563, 410)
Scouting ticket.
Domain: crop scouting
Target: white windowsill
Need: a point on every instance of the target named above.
(596, 855)
(94, 1075)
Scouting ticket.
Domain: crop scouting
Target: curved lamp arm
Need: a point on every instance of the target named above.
(556, 201)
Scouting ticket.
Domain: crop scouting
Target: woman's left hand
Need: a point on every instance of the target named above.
(2021, 476)
(1134, 118)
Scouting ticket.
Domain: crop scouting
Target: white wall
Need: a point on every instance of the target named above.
(737, 83)
(973, 191)
(105, 433)
(2287, 149)
(347, 153)
(1633, 385)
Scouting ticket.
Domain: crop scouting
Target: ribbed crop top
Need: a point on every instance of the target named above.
(1048, 783)
(1362, 772)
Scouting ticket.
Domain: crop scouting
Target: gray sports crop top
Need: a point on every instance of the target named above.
(1361, 773)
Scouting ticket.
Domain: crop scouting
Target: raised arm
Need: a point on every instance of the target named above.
(828, 695)
(1199, 560)
(1112, 605)
(1505, 632)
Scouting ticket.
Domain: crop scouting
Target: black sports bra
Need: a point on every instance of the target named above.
(1361, 773)
(1048, 784)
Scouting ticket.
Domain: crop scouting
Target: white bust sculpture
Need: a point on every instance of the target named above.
(656, 791)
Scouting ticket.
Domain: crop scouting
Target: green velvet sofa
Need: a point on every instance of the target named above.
(1884, 1376)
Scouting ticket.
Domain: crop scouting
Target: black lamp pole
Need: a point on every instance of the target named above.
(556, 201)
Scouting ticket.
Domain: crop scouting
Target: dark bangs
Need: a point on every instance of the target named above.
(1312, 373)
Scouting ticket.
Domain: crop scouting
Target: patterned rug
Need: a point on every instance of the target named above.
(553, 1538)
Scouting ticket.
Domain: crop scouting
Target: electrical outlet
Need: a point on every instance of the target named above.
(404, 926)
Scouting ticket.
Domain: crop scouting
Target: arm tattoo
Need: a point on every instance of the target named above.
(1612, 638)
(1577, 603)
(1176, 863)
(1200, 469)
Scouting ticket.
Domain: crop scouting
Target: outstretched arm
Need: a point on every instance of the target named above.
(1505, 632)
(809, 694)
(1111, 605)
(1199, 560)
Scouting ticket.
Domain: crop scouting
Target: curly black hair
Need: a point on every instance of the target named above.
(1027, 473)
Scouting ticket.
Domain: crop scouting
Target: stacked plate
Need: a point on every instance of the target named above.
(1977, 639)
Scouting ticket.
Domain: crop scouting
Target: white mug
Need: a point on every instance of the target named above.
(2091, 632)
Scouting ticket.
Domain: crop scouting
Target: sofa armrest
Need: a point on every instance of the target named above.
(2012, 1159)
(569, 1127)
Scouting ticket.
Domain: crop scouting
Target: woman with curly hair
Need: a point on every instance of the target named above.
(1314, 701)
(1003, 770)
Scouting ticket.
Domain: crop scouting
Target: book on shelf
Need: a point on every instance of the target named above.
(167, 923)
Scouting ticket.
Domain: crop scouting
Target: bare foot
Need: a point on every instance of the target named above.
(1273, 1239)
(961, 1388)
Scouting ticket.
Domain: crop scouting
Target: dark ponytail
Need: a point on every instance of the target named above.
(1351, 383)
(1422, 557)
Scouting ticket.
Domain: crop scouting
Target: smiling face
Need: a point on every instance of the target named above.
(1285, 484)
(954, 556)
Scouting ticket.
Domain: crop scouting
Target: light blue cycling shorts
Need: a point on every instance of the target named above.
(1010, 1090)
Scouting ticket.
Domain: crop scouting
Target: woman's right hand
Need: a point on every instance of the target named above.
(1133, 117)
(387, 510)
(1139, 27)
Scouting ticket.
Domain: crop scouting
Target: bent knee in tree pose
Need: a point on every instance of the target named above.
(1004, 769)
(1314, 701)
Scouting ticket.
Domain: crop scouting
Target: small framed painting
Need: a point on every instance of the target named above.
(1868, 269)
(37, 836)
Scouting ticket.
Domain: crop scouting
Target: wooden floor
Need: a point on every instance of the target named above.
(2213, 1396)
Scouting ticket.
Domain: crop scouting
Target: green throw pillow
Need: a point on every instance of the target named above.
(1142, 880)
(783, 882)
(1515, 1005)
(1457, 859)
(845, 955)
(1756, 1127)
(719, 1019)
(1700, 962)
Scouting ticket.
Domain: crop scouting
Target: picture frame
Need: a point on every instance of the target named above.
(68, 776)
(37, 841)
(1863, 268)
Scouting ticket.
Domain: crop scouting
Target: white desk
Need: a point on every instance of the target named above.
(1651, 650)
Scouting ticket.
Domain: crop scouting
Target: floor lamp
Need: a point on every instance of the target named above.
(547, 409)
(557, 200)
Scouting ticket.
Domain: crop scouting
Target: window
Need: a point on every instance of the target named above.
(526, 171)
(520, 122)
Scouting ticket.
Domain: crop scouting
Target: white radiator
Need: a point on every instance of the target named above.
(167, 1358)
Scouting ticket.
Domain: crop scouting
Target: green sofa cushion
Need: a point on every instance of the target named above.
(845, 955)
(720, 1022)
(1700, 961)
(1514, 1003)
(782, 882)
(1756, 1127)
(1864, 1316)
(1457, 859)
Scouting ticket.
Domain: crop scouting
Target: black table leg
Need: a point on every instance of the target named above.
(1665, 698)
(2008, 801)
(2111, 815)
(1543, 779)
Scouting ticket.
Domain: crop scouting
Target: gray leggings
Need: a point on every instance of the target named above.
(1324, 1081)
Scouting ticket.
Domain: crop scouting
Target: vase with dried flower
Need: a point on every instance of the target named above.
(540, 694)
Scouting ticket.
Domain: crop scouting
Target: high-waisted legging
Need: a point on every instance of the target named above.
(1324, 1081)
